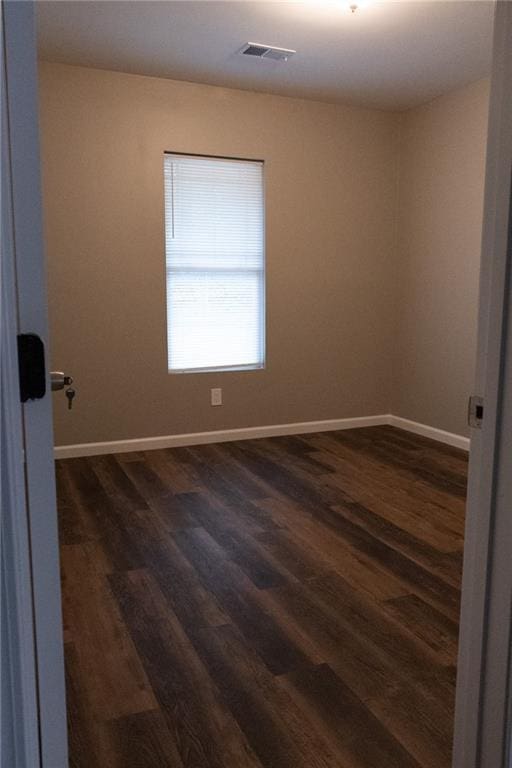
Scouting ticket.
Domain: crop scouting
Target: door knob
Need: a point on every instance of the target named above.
(60, 380)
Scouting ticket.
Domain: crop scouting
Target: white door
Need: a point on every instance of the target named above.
(31, 587)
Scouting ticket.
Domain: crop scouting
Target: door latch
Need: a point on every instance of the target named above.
(475, 411)
(59, 380)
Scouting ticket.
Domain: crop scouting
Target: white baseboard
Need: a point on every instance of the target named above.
(450, 438)
(217, 436)
(251, 433)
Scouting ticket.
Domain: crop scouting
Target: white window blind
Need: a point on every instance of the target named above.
(214, 235)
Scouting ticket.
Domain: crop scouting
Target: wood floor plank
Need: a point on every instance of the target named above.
(299, 560)
(395, 484)
(237, 598)
(178, 579)
(75, 524)
(142, 741)
(110, 666)
(393, 502)
(107, 520)
(430, 626)
(321, 505)
(280, 734)
(222, 476)
(289, 602)
(225, 527)
(358, 736)
(174, 475)
(82, 740)
(435, 474)
(116, 483)
(335, 553)
(389, 638)
(376, 679)
(159, 497)
(204, 731)
(442, 564)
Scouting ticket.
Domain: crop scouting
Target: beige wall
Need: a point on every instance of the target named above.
(373, 246)
(331, 183)
(442, 163)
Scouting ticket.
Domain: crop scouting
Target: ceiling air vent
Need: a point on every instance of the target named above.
(259, 51)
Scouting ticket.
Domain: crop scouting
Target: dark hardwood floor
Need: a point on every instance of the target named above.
(280, 603)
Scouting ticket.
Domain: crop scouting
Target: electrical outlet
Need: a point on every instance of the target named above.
(216, 396)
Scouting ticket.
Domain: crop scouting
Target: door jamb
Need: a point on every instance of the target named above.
(480, 713)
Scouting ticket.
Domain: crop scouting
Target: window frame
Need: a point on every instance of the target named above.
(263, 272)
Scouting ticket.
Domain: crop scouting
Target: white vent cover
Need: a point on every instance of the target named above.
(260, 51)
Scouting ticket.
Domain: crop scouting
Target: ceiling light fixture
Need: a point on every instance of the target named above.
(355, 6)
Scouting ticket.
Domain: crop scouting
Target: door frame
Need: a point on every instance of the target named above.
(483, 670)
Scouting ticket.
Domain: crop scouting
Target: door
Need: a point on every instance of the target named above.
(31, 589)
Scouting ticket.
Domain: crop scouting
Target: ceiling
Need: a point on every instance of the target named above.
(390, 55)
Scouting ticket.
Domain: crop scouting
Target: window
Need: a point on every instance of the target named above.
(214, 236)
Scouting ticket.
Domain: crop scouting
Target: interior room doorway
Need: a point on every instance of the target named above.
(260, 594)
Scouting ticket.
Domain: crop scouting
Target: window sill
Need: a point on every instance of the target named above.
(227, 369)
